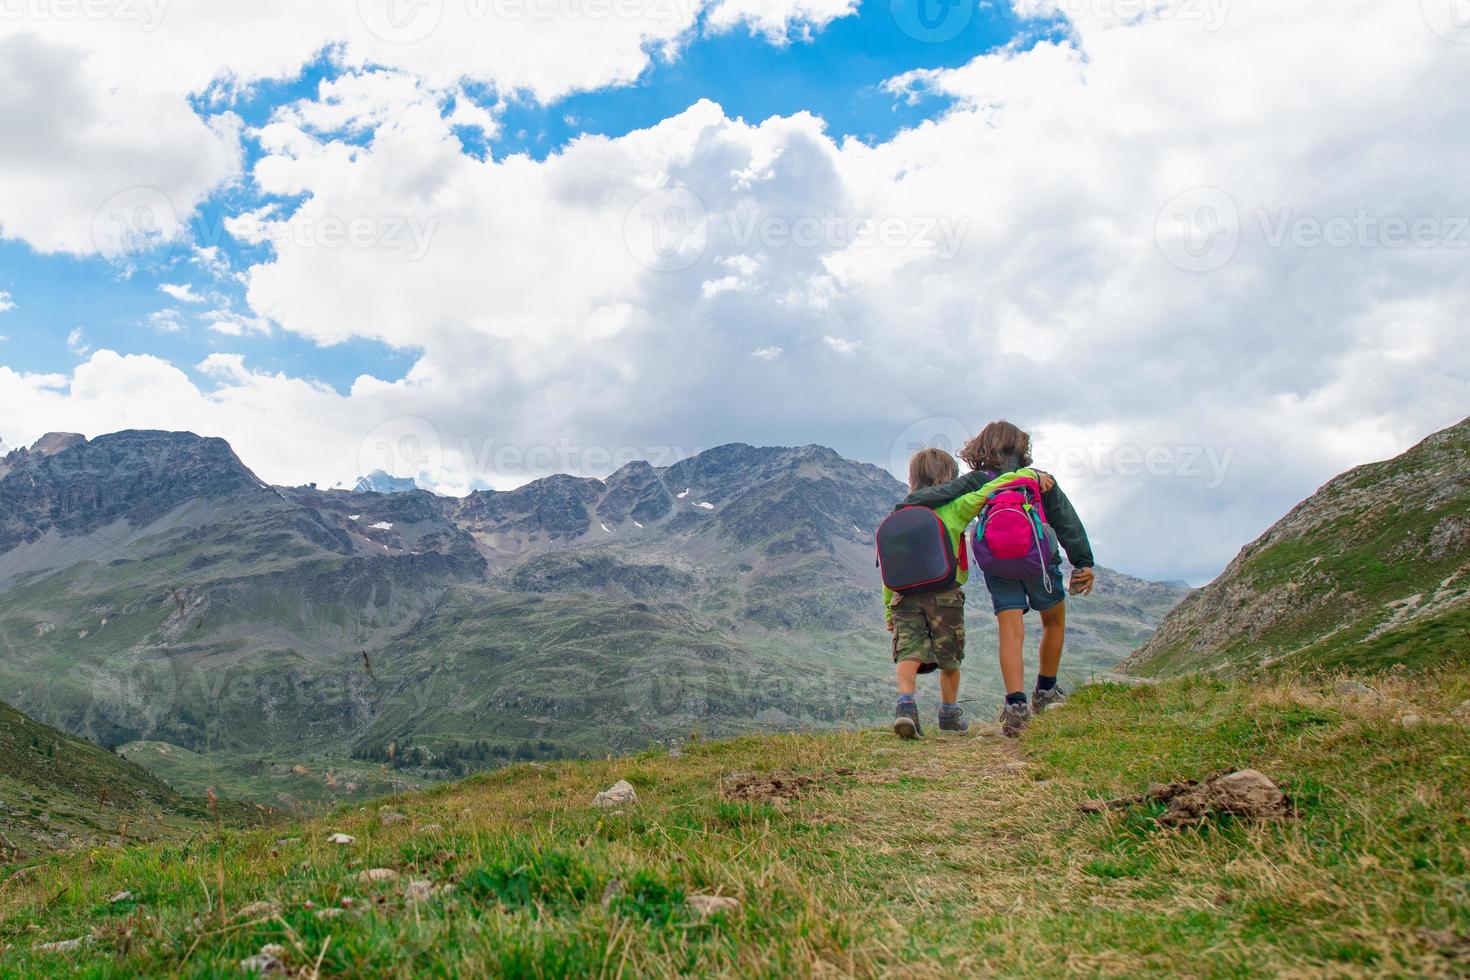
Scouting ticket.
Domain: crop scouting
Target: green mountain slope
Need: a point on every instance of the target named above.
(849, 854)
(1373, 570)
(154, 593)
(58, 792)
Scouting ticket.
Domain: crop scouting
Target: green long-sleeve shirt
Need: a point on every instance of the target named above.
(955, 515)
(959, 502)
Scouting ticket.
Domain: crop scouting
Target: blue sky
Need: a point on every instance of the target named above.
(835, 72)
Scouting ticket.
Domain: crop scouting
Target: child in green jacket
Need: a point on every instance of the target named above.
(929, 630)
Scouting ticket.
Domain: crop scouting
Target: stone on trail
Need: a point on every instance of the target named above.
(390, 817)
(267, 962)
(342, 840)
(419, 890)
(1462, 713)
(618, 794)
(705, 906)
(1242, 793)
(1411, 720)
(120, 897)
(1355, 689)
(64, 946)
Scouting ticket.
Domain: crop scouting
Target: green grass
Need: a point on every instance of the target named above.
(946, 857)
(59, 792)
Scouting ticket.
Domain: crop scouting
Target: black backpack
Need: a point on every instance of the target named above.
(915, 552)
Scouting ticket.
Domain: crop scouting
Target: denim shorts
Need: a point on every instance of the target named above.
(1008, 593)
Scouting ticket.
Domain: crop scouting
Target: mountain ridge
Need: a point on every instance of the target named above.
(1370, 571)
(262, 627)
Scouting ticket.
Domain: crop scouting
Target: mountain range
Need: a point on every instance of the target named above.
(295, 644)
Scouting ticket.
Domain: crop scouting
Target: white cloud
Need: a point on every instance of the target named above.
(1058, 307)
(166, 321)
(76, 342)
(711, 288)
(75, 90)
(778, 20)
(60, 114)
(233, 324)
(184, 292)
(6, 303)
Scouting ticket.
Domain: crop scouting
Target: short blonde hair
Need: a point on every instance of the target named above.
(930, 468)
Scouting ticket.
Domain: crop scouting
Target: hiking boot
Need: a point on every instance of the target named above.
(1041, 700)
(1013, 719)
(954, 722)
(906, 724)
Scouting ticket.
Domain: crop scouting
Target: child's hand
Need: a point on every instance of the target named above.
(1045, 480)
(1082, 581)
(890, 626)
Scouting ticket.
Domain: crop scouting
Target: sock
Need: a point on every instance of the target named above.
(905, 699)
(1044, 683)
(1018, 698)
(946, 708)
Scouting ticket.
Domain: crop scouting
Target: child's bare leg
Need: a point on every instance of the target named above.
(908, 676)
(1012, 623)
(1053, 635)
(949, 686)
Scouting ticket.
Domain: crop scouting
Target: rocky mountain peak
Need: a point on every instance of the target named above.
(135, 475)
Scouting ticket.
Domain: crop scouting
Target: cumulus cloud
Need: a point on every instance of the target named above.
(166, 321)
(6, 303)
(1126, 267)
(184, 292)
(60, 114)
(78, 87)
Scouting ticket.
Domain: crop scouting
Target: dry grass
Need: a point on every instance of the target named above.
(946, 857)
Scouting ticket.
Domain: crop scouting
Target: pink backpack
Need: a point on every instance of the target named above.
(1013, 540)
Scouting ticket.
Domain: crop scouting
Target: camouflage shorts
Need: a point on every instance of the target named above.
(930, 629)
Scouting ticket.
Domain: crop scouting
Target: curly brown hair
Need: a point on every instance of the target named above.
(930, 468)
(997, 446)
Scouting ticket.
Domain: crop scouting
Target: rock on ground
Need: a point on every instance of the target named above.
(619, 794)
(1355, 689)
(1242, 793)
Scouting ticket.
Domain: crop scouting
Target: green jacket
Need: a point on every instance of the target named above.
(956, 513)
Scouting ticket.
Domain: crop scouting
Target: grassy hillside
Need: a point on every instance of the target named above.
(58, 792)
(1373, 570)
(849, 853)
